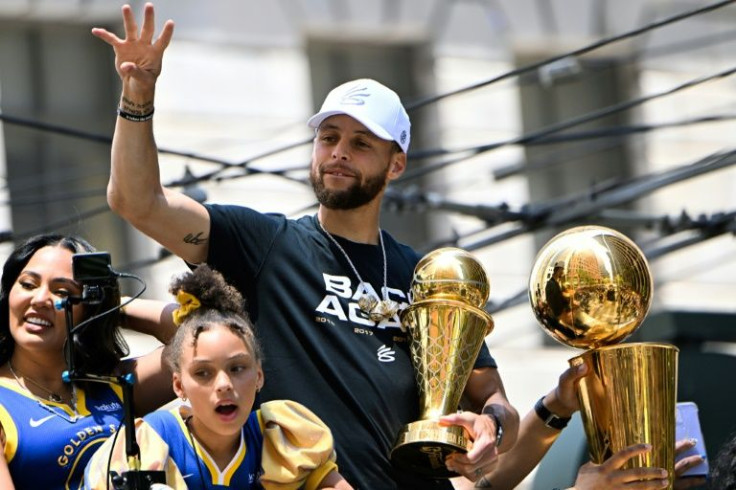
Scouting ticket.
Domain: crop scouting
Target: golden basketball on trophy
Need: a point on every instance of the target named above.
(591, 287)
(448, 327)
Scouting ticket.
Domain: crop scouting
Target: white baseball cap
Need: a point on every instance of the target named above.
(374, 105)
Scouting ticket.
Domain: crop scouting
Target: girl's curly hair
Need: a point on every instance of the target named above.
(220, 304)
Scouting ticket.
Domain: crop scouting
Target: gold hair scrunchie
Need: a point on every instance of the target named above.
(187, 304)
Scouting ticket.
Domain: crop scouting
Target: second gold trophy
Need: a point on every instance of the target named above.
(448, 327)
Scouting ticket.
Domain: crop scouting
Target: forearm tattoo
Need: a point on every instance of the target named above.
(131, 107)
(197, 239)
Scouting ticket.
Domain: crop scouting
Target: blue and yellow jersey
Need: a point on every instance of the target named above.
(47, 445)
(193, 462)
(283, 445)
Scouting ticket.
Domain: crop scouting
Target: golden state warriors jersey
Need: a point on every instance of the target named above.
(47, 445)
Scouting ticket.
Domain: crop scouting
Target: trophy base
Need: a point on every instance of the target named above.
(422, 447)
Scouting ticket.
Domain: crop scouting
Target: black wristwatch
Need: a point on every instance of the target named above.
(499, 428)
(550, 419)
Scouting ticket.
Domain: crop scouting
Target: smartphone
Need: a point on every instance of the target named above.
(94, 267)
(687, 426)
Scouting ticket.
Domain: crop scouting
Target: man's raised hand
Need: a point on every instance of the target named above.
(138, 57)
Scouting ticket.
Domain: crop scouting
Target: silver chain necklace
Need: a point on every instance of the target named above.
(371, 306)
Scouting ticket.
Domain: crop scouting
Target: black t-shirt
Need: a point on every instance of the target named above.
(320, 349)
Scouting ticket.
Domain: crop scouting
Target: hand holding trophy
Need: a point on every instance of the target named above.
(591, 287)
(448, 327)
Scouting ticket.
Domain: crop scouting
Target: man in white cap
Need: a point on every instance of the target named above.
(323, 290)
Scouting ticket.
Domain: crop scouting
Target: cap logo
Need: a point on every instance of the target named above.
(402, 138)
(355, 96)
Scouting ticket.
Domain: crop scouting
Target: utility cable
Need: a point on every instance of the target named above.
(422, 102)
(54, 225)
(569, 209)
(65, 131)
(578, 52)
(705, 228)
(244, 164)
(562, 125)
(607, 132)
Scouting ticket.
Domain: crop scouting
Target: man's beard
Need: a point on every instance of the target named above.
(353, 197)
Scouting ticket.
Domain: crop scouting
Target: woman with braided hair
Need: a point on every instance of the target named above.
(214, 439)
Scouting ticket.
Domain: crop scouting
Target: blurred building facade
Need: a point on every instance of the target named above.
(242, 76)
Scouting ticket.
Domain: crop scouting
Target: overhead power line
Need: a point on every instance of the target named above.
(562, 211)
(577, 52)
(558, 127)
(692, 233)
(491, 216)
(571, 137)
(245, 164)
(224, 164)
(618, 132)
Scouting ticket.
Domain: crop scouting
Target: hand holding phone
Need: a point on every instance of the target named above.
(687, 426)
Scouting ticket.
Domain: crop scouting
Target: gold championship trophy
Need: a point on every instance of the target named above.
(591, 287)
(448, 328)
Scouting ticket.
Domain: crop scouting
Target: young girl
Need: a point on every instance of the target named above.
(216, 441)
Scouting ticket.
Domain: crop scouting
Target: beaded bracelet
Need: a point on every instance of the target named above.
(135, 117)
